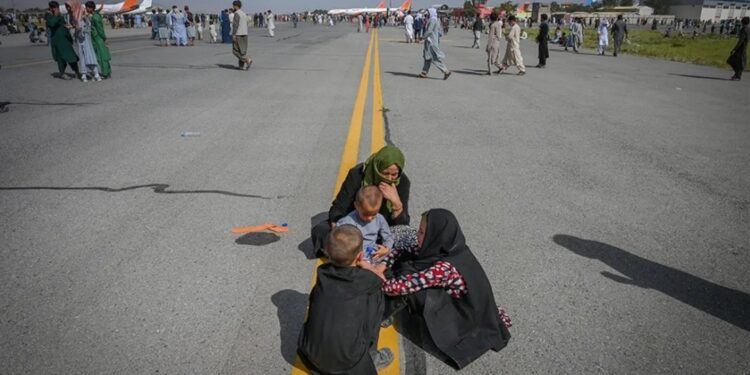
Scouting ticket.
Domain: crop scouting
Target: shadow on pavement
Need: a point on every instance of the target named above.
(579, 53)
(158, 188)
(291, 306)
(257, 239)
(307, 246)
(164, 66)
(412, 75)
(414, 329)
(727, 304)
(2, 104)
(470, 72)
(701, 77)
(227, 66)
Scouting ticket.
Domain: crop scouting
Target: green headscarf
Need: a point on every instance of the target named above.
(380, 160)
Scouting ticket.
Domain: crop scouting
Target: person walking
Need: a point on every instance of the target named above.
(543, 40)
(418, 27)
(61, 42)
(603, 30)
(738, 58)
(409, 27)
(154, 25)
(432, 53)
(99, 40)
(163, 25)
(226, 27)
(88, 63)
(239, 36)
(189, 26)
(513, 48)
(198, 27)
(270, 24)
(576, 31)
(619, 33)
(477, 27)
(493, 43)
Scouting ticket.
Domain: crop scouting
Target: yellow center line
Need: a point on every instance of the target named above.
(377, 140)
(388, 337)
(23, 65)
(348, 158)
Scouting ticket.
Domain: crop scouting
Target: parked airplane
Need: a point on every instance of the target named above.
(125, 6)
(339, 12)
(143, 8)
(379, 9)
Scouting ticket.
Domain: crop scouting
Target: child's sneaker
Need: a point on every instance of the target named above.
(97, 78)
(84, 78)
(382, 358)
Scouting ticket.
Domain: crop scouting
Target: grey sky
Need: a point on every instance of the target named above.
(257, 5)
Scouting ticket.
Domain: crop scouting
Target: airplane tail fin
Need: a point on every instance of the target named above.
(129, 5)
(405, 6)
(146, 4)
(381, 4)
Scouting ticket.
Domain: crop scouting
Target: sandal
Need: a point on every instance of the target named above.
(446, 76)
(422, 75)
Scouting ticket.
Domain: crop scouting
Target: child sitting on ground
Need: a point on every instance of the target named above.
(346, 305)
(370, 222)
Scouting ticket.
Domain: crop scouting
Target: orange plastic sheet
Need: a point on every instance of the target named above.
(260, 228)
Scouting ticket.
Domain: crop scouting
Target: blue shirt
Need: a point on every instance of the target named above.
(378, 227)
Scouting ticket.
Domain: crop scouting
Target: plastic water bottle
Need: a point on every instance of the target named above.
(190, 134)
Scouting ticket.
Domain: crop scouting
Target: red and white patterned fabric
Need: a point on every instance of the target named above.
(441, 275)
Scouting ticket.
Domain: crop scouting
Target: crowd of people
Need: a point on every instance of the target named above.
(83, 27)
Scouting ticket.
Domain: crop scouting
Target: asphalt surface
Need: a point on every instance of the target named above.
(607, 199)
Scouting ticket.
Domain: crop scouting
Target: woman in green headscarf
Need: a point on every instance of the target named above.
(385, 169)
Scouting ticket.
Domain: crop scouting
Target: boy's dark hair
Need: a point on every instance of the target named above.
(344, 244)
(369, 195)
(619, 16)
(745, 20)
(493, 16)
(90, 5)
(237, 3)
(511, 18)
(54, 4)
(544, 17)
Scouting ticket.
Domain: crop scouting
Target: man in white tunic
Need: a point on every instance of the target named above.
(409, 27)
(603, 36)
(271, 23)
(513, 49)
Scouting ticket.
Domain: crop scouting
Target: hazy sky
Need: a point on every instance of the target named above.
(256, 5)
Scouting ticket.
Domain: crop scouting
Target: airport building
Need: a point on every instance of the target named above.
(710, 10)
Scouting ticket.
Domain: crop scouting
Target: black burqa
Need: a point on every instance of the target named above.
(738, 58)
(343, 321)
(543, 40)
(465, 328)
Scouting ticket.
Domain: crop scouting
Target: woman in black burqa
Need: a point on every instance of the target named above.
(444, 285)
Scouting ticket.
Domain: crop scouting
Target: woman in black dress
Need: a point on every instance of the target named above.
(445, 288)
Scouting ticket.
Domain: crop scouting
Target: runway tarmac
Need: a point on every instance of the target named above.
(606, 198)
